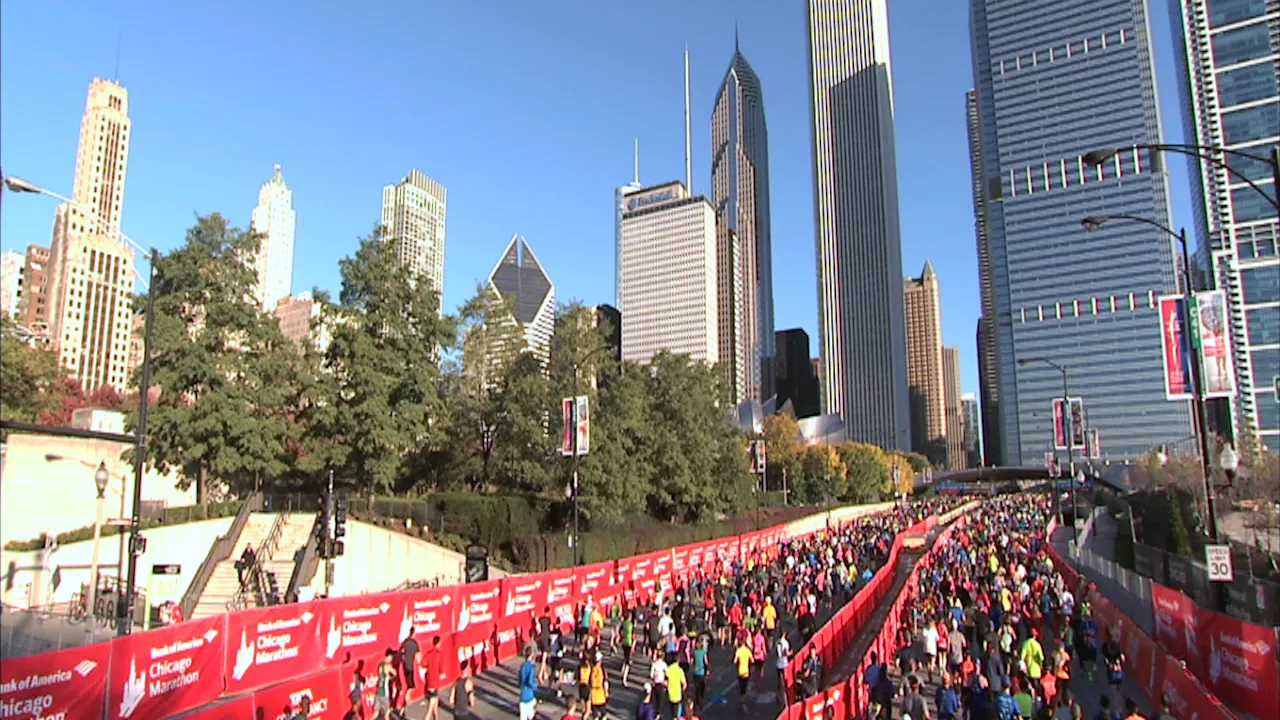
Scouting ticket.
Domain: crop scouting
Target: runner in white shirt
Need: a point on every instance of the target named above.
(930, 636)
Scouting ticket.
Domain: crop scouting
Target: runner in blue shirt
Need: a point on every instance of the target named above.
(528, 686)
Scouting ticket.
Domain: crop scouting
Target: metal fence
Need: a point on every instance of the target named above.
(26, 632)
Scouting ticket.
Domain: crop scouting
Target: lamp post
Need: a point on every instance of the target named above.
(577, 455)
(1092, 223)
(100, 479)
(1067, 435)
(124, 619)
(1210, 155)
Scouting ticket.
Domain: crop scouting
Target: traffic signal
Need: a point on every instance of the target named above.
(323, 523)
(339, 526)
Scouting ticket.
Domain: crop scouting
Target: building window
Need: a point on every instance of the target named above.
(1244, 43)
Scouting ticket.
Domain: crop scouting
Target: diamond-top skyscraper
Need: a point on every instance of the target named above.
(863, 335)
(518, 277)
(1055, 79)
(744, 258)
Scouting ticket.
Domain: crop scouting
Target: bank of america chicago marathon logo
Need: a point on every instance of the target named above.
(38, 705)
(1227, 660)
(520, 599)
(272, 642)
(424, 616)
(165, 676)
(478, 607)
(356, 628)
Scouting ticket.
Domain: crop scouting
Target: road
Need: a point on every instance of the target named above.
(497, 695)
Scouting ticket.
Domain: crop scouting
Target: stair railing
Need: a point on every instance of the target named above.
(255, 583)
(305, 564)
(219, 551)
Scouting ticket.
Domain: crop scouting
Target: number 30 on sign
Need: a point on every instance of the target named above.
(1218, 558)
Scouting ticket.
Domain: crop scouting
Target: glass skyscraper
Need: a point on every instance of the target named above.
(1053, 80)
(1231, 98)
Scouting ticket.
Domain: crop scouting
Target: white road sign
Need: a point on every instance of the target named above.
(1218, 558)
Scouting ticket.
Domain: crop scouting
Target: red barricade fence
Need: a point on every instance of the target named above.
(261, 662)
(1198, 658)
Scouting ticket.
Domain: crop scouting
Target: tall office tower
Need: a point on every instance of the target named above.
(864, 345)
(619, 207)
(1054, 80)
(744, 259)
(413, 214)
(11, 264)
(988, 385)
(519, 279)
(987, 392)
(33, 306)
(91, 286)
(274, 220)
(796, 380)
(972, 429)
(1231, 98)
(609, 320)
(667, 291)
(925, 379)
(956, 459)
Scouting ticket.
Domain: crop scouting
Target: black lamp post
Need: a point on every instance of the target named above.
(577, 455)
(1067, 436)
(1208, 154)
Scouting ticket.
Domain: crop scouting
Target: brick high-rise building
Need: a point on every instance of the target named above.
(33, 303)
(923, 313)
(956, 457)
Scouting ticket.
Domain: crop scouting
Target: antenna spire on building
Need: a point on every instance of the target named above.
(636, 177)
(688, 150)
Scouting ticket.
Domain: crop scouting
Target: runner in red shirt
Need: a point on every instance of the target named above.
(431, 662)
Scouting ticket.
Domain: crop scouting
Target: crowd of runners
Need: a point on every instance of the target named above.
(998, 628)
(725, 612)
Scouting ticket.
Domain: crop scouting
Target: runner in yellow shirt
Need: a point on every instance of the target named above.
(770, 617)
(676, 686)
(742, 662)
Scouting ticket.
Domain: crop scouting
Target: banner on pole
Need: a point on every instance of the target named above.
(1217, 375)
(577, 426)
(1077, 424)
(566, 438)
(1175, 348)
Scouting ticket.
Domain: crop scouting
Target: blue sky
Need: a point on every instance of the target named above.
(525, 111)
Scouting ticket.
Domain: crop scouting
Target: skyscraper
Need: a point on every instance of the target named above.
(972, 428)
(274, 220)
(668, 286)
(33, 305)
(1055, 79)
(413, 215)
(1231, 97)
(744, 261)
(619, 207)
(90, 295)
(518, 278)
(797, 380)
(988, 383)
(11, 265)
(925, 379)
(956, 459)
(863, 343)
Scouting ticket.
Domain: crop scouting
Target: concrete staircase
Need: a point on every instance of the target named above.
(294, 535)
(224, 583)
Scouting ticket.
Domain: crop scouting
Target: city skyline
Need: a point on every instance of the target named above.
(778, 61)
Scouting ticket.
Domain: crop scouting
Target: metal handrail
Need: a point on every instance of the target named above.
(254, 575)
(305, 566)
(221, 550)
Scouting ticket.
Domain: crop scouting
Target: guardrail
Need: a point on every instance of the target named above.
(256, 587)
(305, 565)
(221, 550)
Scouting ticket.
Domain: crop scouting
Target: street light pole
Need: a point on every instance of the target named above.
(139, 460)
(1067, 437)
(100, 479)
(577, 455)
(1094, 222)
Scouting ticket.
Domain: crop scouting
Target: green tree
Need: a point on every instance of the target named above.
(223, 367)
(31, 380)
(868, 472)
(784, 450)
(1179, 539)
(380, 410)
(615, 477)
(825, 475)
(521, 414)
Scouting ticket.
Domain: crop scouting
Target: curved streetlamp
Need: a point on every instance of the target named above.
(137, 543)
(1067, 435)
(1094, 158)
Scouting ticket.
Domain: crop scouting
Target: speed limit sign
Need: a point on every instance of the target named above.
(1218, 558)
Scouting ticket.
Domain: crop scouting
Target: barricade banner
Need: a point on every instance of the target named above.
(727, 549)
(662, 570)
(167, 671)
(680, 560)
(70, 684)
(1175, 623)
(837, 702)
(476, 628)
(242, 708)
(561, 596)
(696, 553)
(1241, 662)
(597, 582)
(362, 626)
(430, 611)
(271, 645)
(1186, 698)
(325, 689)
(358, 692)
(1141, 653)
(521, 604)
